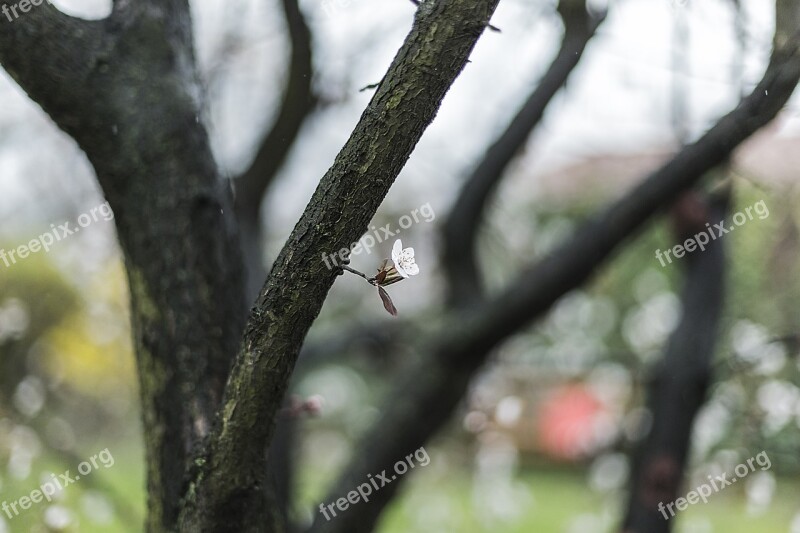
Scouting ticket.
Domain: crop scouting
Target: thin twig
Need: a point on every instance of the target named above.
(370, 86)
(371, 281)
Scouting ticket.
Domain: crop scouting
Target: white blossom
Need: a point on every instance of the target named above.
(403, 259)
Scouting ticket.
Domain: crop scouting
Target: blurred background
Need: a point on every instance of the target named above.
(543, 440)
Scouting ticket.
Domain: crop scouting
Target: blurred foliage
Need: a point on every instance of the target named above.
(92, 350)
(66, 390)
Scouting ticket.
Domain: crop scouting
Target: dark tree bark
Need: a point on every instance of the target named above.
(226, 494)
(298, 103)
(125, 89)
(680, 382)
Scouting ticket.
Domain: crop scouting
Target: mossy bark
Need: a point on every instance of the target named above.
(228, 494)
(125, 89)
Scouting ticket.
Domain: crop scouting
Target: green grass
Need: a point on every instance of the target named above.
(438, 498)
(556, 501)
(125, 479)
(559, 500)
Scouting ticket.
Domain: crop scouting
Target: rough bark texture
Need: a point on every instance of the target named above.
(678, 386)
(251, 186)
(227, 494)
(427, 393)
(124, 88)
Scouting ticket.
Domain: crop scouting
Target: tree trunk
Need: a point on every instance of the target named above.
(126, 90)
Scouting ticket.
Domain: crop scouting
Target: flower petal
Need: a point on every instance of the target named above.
(409, 252)
(397, 249)
(397, 258)
(411, 269)
(401, 270)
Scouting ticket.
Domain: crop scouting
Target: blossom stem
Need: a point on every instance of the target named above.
(356, 272)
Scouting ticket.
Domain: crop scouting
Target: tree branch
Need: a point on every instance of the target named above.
(461, 228)
(53, 76)
(678, 388)
(427, 393)
(226, 494)
(297, 104)
(126, 90)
